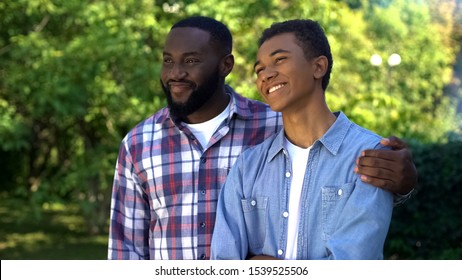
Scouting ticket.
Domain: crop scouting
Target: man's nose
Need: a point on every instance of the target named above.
(177, 72)
(267, 74)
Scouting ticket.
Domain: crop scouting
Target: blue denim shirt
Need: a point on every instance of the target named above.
(341, 216)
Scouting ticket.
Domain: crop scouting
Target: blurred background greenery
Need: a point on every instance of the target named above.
(76, 75)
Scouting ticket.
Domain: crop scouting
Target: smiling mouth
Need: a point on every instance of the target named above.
(276, 87)
(178, 87)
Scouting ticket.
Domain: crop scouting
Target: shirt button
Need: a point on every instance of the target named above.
(203, 256)
(202, 225)
(253, 203)
(203, 160)
(285, 214)
(340, 192)
(287, 174)
(280, 252)
(202, 192)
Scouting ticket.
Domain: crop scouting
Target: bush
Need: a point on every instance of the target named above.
(429, 225)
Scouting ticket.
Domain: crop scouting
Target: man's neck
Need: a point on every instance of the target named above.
(304, 127)
(211, 109)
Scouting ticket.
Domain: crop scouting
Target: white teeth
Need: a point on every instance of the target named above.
(275, 88)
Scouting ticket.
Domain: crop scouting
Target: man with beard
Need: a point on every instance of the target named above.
(171, 166)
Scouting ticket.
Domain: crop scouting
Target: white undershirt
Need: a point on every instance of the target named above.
(204, 131)
(299, 158)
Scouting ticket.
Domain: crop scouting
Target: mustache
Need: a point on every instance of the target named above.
(170, 81)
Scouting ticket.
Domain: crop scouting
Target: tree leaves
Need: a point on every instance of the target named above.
(75, 76)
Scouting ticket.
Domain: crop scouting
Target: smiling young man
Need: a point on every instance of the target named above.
(172, 165)
(296, 195)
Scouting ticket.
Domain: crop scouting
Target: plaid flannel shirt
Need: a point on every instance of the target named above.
(166, 184)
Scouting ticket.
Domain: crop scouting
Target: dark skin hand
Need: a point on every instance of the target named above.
(392, 170)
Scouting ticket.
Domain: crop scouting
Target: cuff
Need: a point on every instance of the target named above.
(399, 199)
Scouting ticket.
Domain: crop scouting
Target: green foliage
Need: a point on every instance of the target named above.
(59, 235)
(429, 225)
(76, 75)
(70, 70)
(407, 99)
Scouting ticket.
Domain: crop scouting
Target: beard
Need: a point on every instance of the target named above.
(197, 99)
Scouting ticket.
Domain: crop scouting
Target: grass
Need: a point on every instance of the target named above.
(57, 232)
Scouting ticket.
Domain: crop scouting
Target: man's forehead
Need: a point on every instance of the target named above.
(192, 34)
(283, 38)
(285, 41)
(187, 39)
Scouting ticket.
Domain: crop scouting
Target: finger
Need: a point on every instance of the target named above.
(379, 173)
(375, 162)
(378, 182)
(394, 142)
(392, 155)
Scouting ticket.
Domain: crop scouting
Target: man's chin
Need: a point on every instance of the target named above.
(178, 110)
(180, 101)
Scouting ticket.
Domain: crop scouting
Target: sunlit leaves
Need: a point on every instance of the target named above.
(76, 75)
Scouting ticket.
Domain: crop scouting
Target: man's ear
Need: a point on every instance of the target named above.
(226, 65)
(320, 67)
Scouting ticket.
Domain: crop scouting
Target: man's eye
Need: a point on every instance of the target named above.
(191, 60)
(258, 70)
(279, 59)
(168, 60)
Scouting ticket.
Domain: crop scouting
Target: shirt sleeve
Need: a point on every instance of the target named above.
(130, 216)
(229, 239)
(363, 224)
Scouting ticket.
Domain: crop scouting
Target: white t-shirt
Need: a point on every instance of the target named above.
(204, 131)
(299, 158)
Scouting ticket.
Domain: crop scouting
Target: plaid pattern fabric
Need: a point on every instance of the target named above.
(166, 185)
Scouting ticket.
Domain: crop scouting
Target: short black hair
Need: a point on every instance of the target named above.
(218, 31)
(311, 37)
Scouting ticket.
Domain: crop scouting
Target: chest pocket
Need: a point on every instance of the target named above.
(334, 199)
(255, 216)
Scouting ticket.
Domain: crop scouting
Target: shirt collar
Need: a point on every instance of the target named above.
(331, 140)
(335, 135)
(239, 105)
